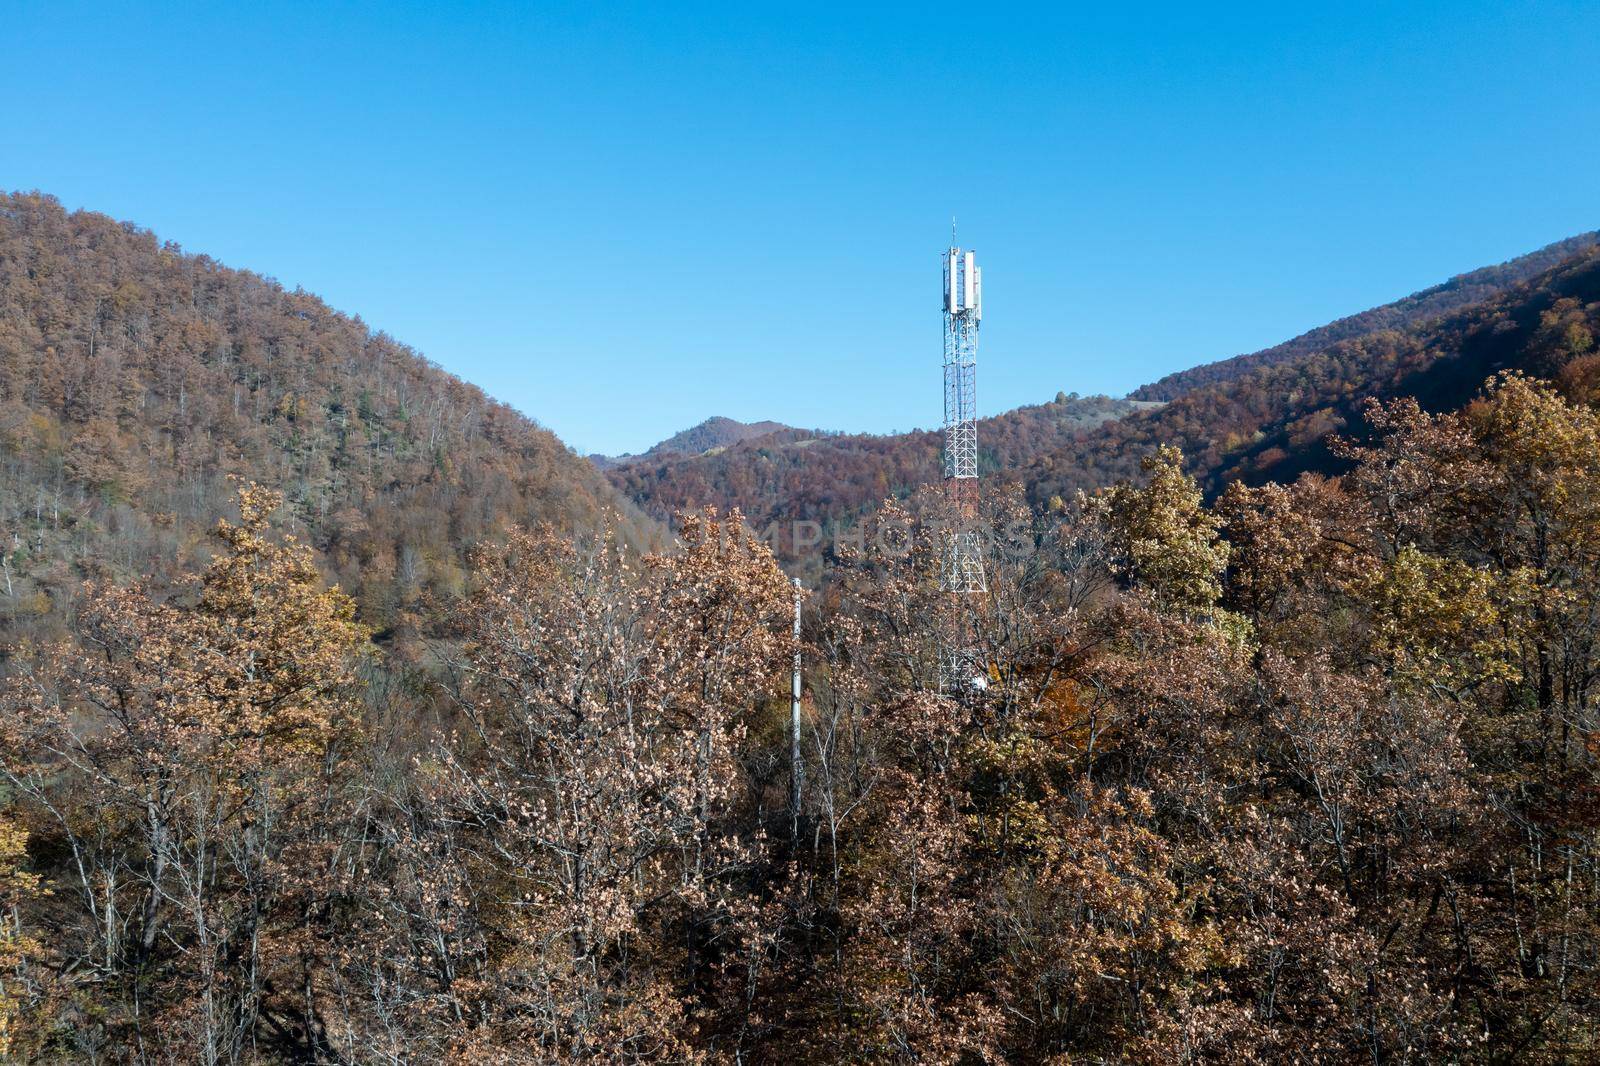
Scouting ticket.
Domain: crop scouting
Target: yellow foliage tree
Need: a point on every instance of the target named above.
(1162, 536)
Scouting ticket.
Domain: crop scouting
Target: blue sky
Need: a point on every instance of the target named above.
(624, 219)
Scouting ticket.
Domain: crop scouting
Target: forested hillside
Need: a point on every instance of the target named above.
(1273, 422)
(1414, 310)
(135, 380)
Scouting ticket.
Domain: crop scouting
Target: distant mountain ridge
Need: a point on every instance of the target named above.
(715, 432)
(1460, 291)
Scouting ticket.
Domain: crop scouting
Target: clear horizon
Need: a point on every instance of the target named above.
(651, 219)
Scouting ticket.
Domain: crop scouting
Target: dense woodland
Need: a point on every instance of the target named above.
(1294, 771)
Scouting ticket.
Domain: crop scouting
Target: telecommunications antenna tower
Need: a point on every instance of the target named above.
(963, 563)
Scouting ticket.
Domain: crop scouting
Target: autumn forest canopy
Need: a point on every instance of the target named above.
(347, 716)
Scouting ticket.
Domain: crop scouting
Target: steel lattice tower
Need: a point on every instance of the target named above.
(960, 673)
(963, 313)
